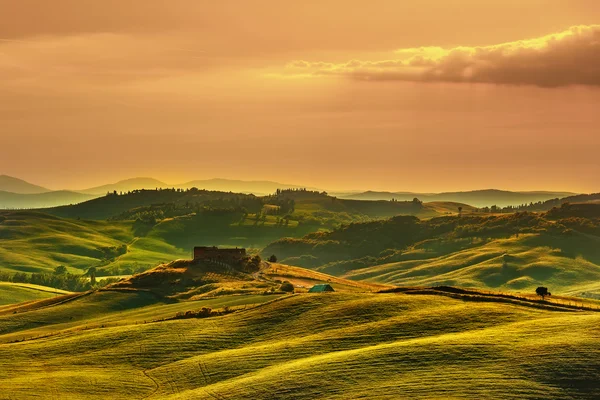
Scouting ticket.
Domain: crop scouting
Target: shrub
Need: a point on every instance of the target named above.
(287, 287)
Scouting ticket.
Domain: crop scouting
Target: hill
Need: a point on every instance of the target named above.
(259, 188)
(305, 346)
(20, 292)
(186, 279)
(126, 186)
(556, 202)
(308, 206)
(216, 184)
(37, 242)
(15, 185)
(509, 252)
(41, 200)
(477, 198)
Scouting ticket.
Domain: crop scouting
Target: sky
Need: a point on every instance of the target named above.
(427, 95)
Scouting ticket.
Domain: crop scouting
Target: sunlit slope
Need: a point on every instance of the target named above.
(36, 242)
(332, 346)
(19, 292)
(566, 264)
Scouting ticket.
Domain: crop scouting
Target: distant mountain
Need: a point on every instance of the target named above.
(15, 185)
(239, 186)
(477, 198)
(10, 200)
(127, 185)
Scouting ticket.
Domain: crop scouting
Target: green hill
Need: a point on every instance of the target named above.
(301, 205)
(326, 346)
(19, 292)
(509, 252)
(37, 242)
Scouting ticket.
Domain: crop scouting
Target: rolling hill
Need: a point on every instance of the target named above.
(125, 186)
(261, 188)
(307, 205)
(477, 198)
(11, 293)
(15, 185)
(504, 252)
(10, 200)
(329, 346)
(37, 242)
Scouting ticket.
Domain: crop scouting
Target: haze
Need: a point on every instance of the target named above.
(380, 95)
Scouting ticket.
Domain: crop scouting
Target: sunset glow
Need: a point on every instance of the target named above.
(332, 94)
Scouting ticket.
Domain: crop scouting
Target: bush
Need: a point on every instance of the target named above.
(287, 287)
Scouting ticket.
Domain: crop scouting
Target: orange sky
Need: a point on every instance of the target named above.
(427, 95)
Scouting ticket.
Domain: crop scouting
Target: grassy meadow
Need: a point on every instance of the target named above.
(132, 232)
(568, 266)
(21, 292)
(302, 346)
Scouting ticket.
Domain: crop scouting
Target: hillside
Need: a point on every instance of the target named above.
(557, 202)
(126, 186)
(216, 184)
(259, 188)
(312, 207)
(327, 346)
(11, 293)
(509, 252)
(477, 198)
(15, 185)
(37, 242)
(41, 200)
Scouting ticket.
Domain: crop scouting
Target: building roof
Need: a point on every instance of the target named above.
(322, 287)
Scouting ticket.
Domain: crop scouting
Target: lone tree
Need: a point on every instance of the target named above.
(91, 272)
(542, 291)
(273, 258)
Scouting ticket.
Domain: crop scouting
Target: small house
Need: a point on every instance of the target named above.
(321, 288)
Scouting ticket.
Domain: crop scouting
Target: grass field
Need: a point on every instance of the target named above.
(566, 265)
(19, 292)
(33, 241)
(327, 346)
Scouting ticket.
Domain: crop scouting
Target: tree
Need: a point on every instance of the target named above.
(542, 291)
(91, 272)
(273, 258)
(460, 211)
(287, 287)
(60, 270)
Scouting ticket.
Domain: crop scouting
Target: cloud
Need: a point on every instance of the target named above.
(568, 58)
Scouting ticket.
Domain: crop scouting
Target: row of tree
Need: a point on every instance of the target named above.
(59, 279)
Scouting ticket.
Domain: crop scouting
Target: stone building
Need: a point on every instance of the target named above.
(213, 253)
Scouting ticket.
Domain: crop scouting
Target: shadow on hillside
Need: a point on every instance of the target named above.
(571, 246)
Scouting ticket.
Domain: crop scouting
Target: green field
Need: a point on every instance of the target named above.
(513, 252)
(328, 346)
(568, 265)
(90, 234)
(19, 292)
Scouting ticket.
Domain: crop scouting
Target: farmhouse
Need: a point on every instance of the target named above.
(213, 253)
(320, 288)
